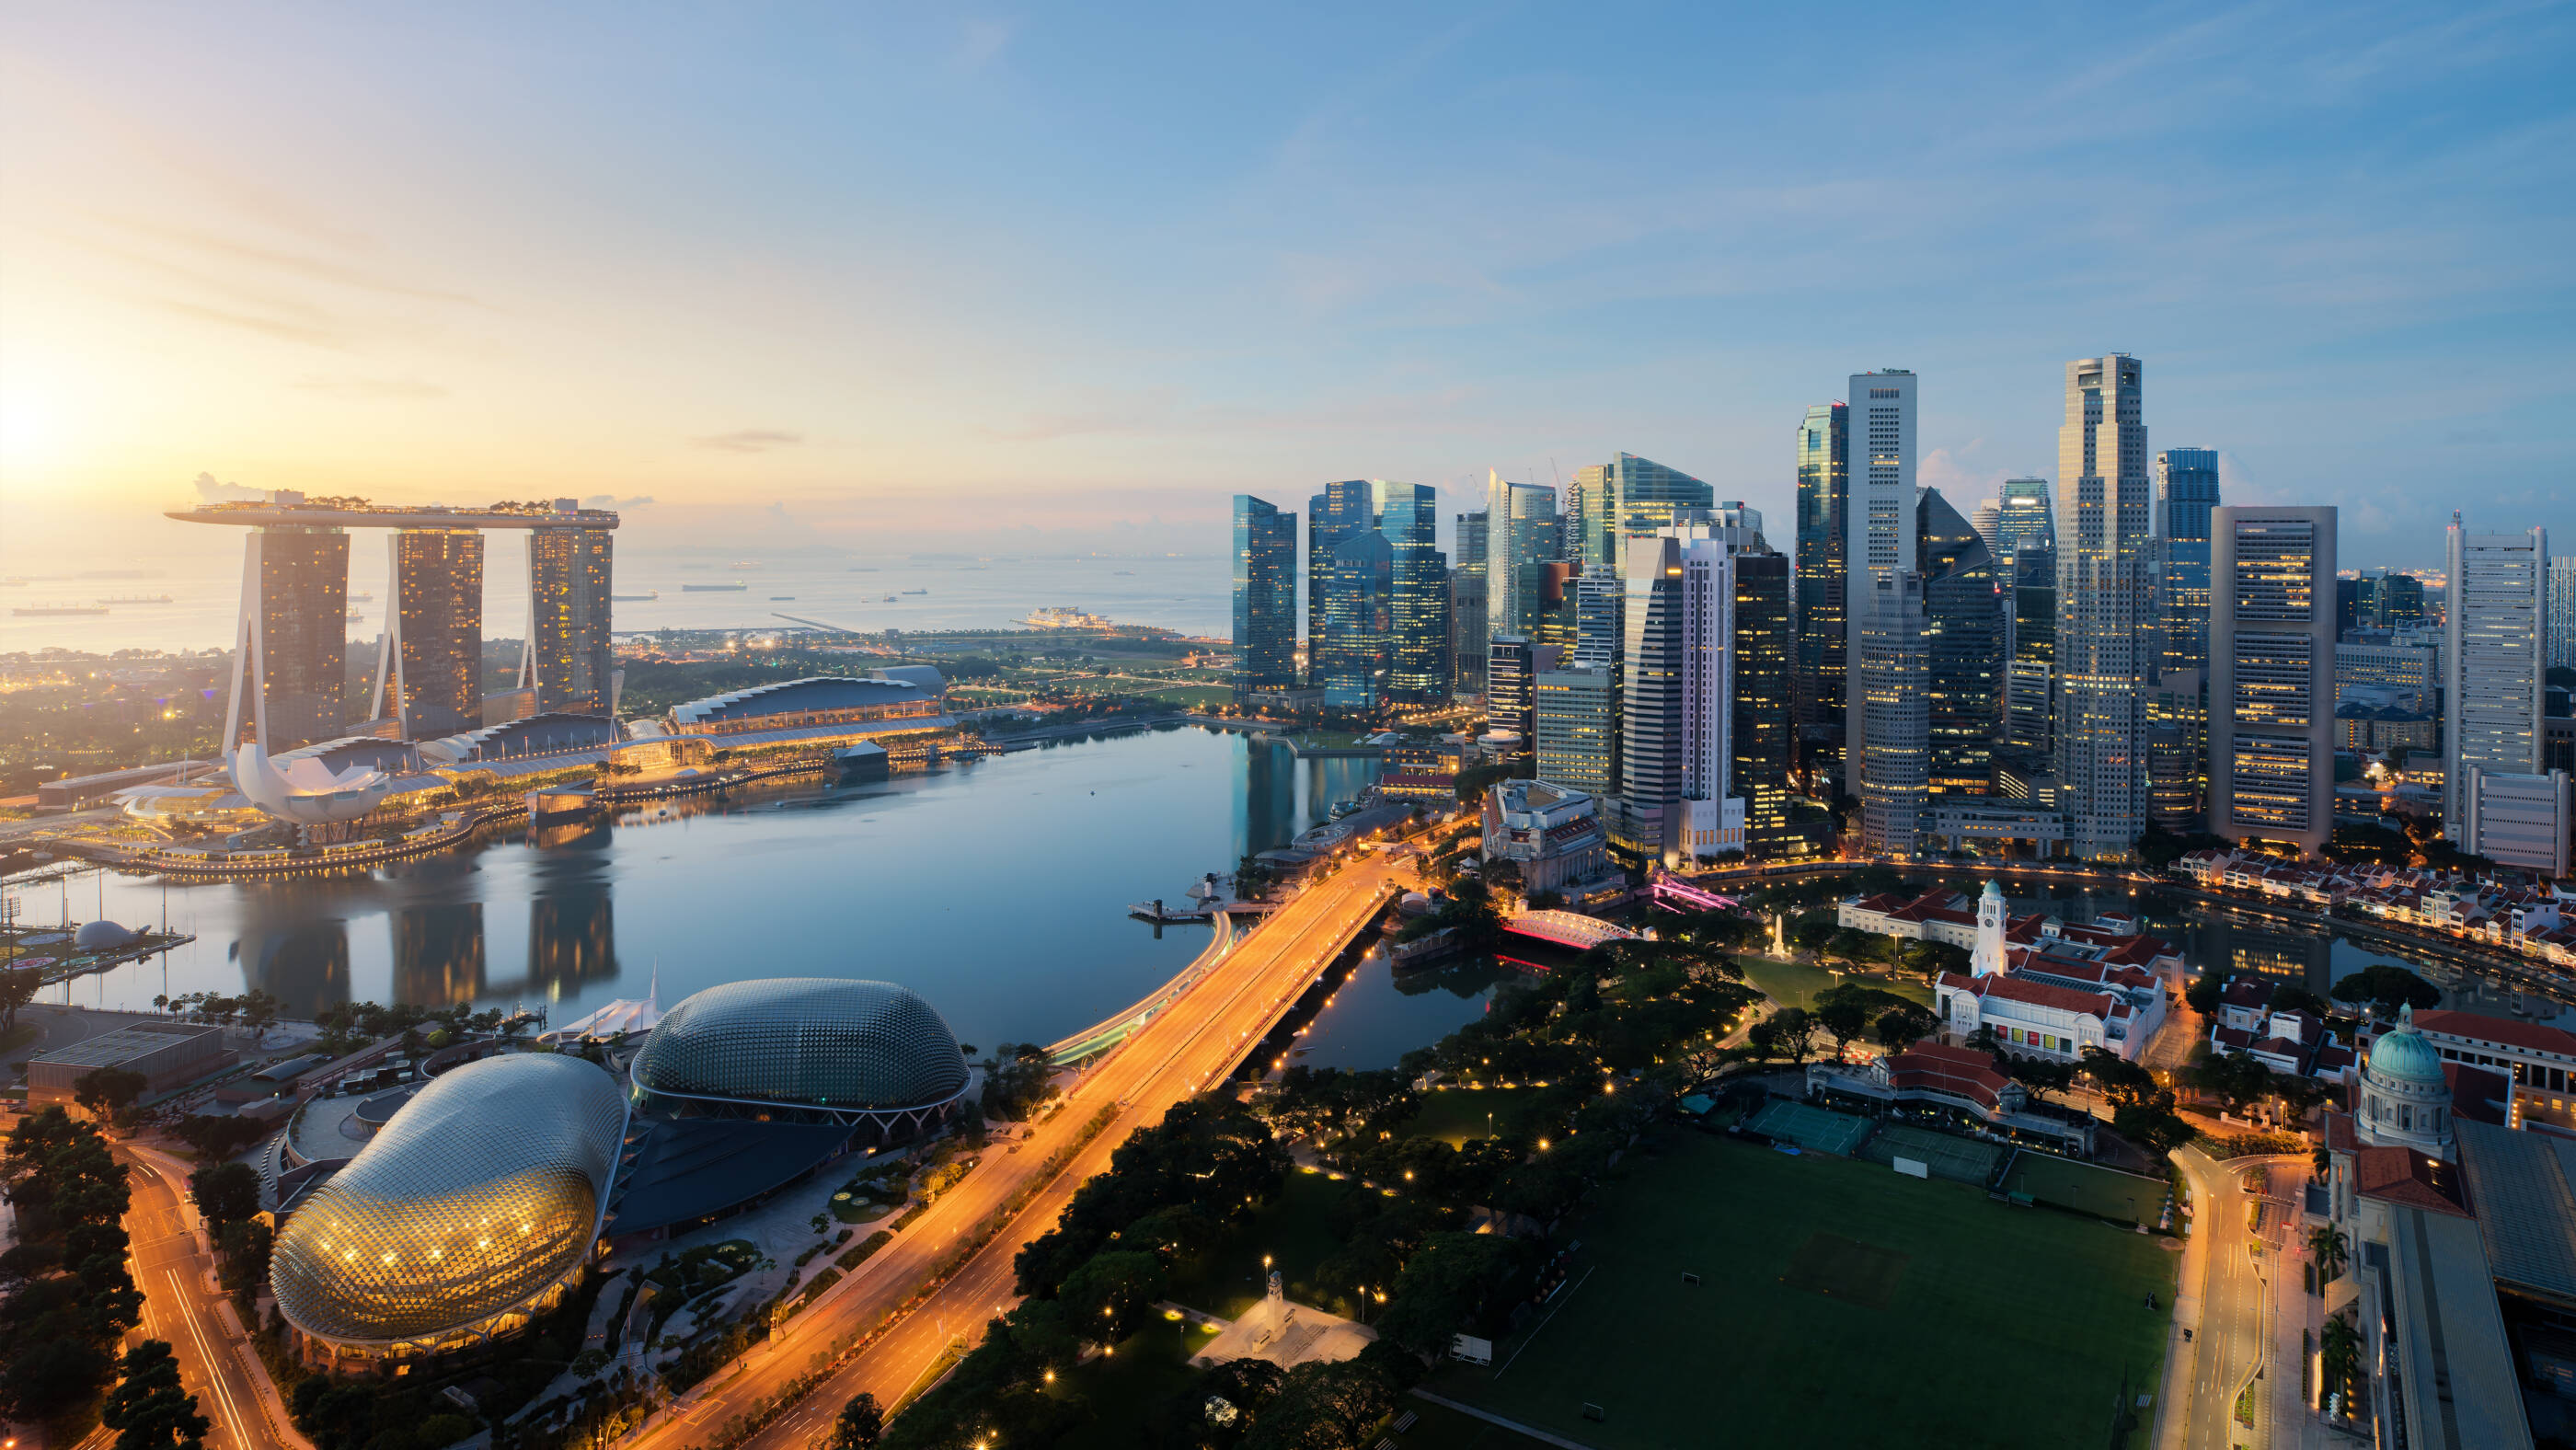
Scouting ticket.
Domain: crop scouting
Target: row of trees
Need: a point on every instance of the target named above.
(65, 1295)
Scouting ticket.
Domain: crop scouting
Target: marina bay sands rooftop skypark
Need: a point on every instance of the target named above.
(287, 507)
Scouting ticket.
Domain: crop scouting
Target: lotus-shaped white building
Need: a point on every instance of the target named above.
(306, 791)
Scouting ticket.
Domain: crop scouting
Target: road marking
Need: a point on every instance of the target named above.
(214, 1366)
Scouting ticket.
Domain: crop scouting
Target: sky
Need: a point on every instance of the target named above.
(871, 278)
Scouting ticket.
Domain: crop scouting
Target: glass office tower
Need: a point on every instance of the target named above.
(429, 672)
(1408, 517)
(1765, 654)
(1467, 622)
(2030, 649)
(567, 654)
(1521, 537)
(1359, 620)
(1265, 597)
(1824, 493)
(302, 603)
(1963, 646)
(1332, 517)
(1629, 498)
(2186, 491)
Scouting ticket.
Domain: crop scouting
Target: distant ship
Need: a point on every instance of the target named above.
(50, 610)
(354, 615)
(889, 599)
(647, 595)
(916, 591)
(140, 599)
(13, 582)
(734, 588)
(746, 563)
(782, 598)
(364, 598)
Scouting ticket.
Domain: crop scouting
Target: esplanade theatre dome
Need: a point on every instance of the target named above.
(802, 1049)
(468, 1213)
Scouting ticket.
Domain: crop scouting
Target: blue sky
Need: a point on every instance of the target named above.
(851, 275)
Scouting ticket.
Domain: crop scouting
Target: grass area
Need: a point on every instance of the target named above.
(1151, 1366)
(1946, 1155)
(1795, 984)
(1296, 1231)
(1454, 1115)
(1778, 1342)
(2087, 1188)
(1437, 1427)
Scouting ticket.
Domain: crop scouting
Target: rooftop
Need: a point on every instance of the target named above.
(123, 1045)
(361, 514)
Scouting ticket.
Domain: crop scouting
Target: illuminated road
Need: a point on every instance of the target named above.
(179, 1308)
(1183, 1051)
(2226, 1308)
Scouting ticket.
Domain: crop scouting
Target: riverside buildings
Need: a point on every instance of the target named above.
(2105, 531)
(2271, 682)
(1265, 597)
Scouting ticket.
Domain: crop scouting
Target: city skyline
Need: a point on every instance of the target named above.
(509, 294)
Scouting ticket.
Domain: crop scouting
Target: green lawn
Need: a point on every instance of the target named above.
(1454, 1115)
(2087, 1188)
(1782, 1343)
(1795, 984)
(1122, 1389)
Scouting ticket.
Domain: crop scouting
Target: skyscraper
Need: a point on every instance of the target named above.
(2105, 543)
(1879, 526)
(1467, 622)
(1988, 521)
(2271, 680)
(1510, 671)
(2030, 649)
(1520, 538)
(2024, 516)
(1824, 493)
(1352, 661)
(292, 643)
(1630, 498)
(1963, 647)
(1895, 694)
(1677, 699)
(429, 667)
(1598, 598)
(1764, 725)
(2186, 490)
(1576, 720)
(2562, 613)
(1332, 516)
(1265, 597)
(566, 661)
(1418, 625)
(2494, 668)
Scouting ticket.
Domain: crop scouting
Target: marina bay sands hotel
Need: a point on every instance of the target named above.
(290, 655)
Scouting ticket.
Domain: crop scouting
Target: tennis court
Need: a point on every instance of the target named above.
(1811, 1127)
(2086, 1188)
(1961, 1160)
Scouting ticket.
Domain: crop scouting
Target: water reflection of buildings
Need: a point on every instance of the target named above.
(290, 949)
(572, 933)
(438, 953)
(2219, 944)
(1265, 809)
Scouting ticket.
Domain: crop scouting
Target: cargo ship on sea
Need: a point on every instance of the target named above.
(734, 588)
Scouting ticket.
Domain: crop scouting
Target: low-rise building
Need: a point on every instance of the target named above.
(166, 1053)
(1551, 832)
(1961, 1080)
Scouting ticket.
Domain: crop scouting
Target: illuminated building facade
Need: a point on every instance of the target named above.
(1467, 620)
(1824, 494)
(1577, 720)
(1764, 724)
(1265, 597)
(1352, 656)
(429, 667)
(2271, 681)
(566, 661)
(2186, 491)
(2494, 645)
(2105, 636)
(291, 647)
(1417, 667)
(1895, 693)
(1962, 644)
(1343, 510)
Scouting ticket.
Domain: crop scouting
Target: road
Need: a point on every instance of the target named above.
(179, 1307)
(2225, 1300)
(1191, 1045)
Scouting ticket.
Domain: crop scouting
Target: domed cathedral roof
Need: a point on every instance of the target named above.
(2402, 1056)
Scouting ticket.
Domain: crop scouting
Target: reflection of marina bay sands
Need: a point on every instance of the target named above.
(290, 654)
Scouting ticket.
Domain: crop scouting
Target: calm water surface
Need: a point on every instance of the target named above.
(996, 890)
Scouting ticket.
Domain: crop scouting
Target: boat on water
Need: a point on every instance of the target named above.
(746, 563)
(354, 615)
(916, 591)
(139, 599)
(734, 588)
(49, 611)
(782, 598)
(646, 597)
(364, 598)
(889, 599)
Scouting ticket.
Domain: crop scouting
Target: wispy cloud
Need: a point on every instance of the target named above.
(749, 440)
(612, 501)
(283, 329)
(982, 43)
(213, 490)
(370, 389)
(309, 268)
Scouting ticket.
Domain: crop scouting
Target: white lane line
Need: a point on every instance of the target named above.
(214, 1366)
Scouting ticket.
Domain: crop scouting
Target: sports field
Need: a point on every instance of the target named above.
(2086, 1188)
(1945, 1155)
(1837, 1304)
(1811, 1127)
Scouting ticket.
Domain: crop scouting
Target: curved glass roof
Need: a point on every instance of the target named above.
(796, 697)
(809, 1041)
(482, 1193)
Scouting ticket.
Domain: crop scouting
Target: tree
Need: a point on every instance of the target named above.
(2204, 992)
(149, 1409)
(2339, 1349)
(2041, 1076)
(225, 1192)
(1905, 1026)
(17, 988)
(107, 1091)
(1106, 1294)
(1844, 1011)
(859, 1424)
(1443, 1289)
(1785, 1033)
(1323, 1407)
(2236, 1079)
(2325, 1242)
(2291, 997)
(2386, 989)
